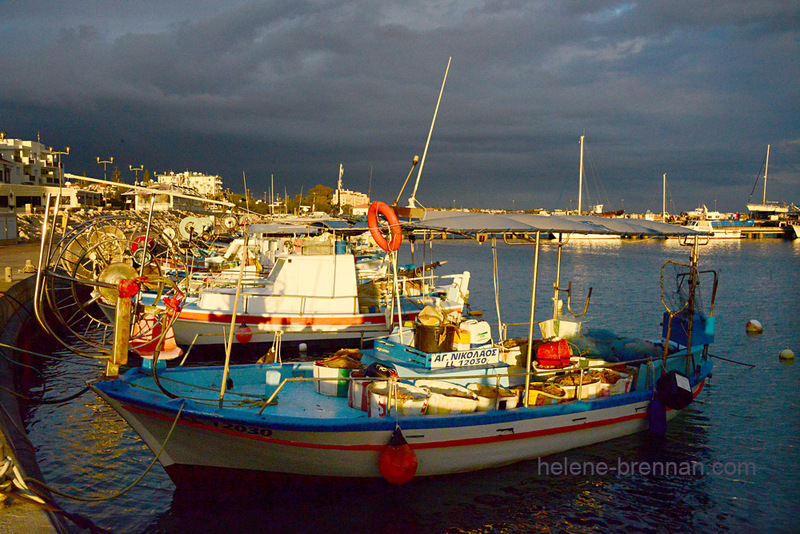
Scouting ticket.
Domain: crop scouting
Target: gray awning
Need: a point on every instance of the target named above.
(342, 225)
(488, 223)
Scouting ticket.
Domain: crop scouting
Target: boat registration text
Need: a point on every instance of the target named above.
(465, 358)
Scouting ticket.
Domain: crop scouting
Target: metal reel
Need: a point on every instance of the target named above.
(79, 284)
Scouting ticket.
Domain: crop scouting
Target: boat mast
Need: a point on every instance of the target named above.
(766, 169)
(412, 202)
(580, 179)
(664, 199)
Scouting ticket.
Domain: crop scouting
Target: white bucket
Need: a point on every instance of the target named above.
(331, 388)
(480, 333)
(408, 400)
(446, 397)
(358, 393)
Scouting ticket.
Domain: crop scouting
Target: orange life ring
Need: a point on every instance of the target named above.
(391, 217)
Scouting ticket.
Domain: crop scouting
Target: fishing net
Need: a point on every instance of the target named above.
(677, 289)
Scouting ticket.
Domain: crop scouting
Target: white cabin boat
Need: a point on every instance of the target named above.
(308, 298)
(715, 232)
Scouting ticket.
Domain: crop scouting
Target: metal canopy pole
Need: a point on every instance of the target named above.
(531, 322)
(558, 280)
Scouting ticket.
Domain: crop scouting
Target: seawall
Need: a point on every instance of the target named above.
(16, 308)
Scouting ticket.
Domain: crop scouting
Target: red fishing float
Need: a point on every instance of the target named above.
(398, 462)
(243, 334)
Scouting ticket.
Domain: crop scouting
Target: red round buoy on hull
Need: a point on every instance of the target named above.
(243, 334)
(398, 462)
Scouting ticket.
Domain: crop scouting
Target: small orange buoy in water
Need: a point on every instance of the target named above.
(753, 327)
(786, 354)
(243, 334)
(398, 463)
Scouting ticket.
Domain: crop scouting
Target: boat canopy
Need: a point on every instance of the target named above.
(473, 224)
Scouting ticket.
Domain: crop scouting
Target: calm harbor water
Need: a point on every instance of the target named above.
(734, 453)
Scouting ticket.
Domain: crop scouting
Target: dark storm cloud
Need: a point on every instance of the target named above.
(693, 89)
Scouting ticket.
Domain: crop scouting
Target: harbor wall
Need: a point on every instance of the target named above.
(16, 515)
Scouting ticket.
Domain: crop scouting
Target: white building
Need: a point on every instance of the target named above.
(345, 197)
(206, 185)
(29, 171)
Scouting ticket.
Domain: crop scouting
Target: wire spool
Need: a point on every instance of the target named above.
(189, 227)
(84, 269)
(169, 233)
(204, 224)
(229, 222)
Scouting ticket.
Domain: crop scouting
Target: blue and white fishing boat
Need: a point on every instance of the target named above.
(436, 398)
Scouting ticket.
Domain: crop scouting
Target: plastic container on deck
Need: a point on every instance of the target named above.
(331, 388)
(480, 333)
(446, 397)
(491, 397)
(461, 339)
(358, 392)
(404, 398)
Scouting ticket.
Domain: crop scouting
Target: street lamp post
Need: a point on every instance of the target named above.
(136, 170)
(109, 161)
(65, 152)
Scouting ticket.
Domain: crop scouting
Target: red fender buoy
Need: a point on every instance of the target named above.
(243, 334)
(398, 462)
(391, 217)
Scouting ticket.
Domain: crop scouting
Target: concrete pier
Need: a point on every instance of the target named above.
(16, 295)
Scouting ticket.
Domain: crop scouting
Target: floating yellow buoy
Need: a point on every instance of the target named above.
(786, 354)
(753, 327)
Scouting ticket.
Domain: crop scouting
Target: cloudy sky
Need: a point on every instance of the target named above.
(693, 89)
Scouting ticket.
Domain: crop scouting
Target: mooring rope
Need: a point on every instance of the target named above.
(731, 361)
